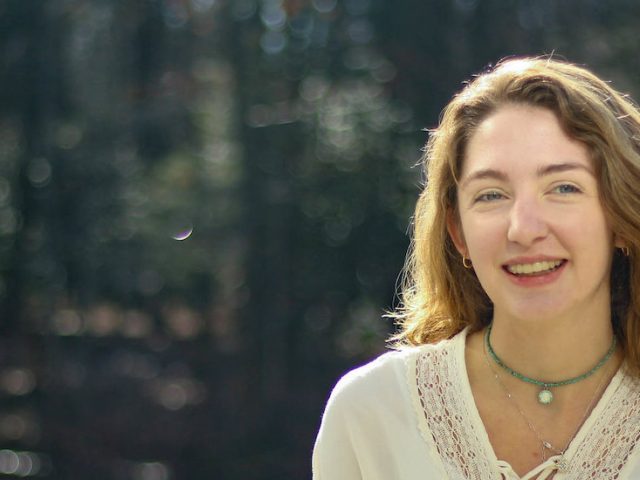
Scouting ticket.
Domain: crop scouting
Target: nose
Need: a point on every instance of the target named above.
(527, 222)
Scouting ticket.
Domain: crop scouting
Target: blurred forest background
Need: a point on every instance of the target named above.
(204, 207)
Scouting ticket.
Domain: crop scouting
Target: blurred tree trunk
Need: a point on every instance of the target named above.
(265, 224)
(35, 90)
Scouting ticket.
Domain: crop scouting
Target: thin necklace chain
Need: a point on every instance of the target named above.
(542, 383)
(544, 444)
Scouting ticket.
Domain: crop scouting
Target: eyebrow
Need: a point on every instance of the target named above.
(485, 173)
(490, 173)
(561, 167)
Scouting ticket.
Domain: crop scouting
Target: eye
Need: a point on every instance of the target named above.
(566, 188)
(490, 196)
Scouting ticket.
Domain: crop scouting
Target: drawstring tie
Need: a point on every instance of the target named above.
(544, 471)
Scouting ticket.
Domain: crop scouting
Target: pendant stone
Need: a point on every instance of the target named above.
(545, 397)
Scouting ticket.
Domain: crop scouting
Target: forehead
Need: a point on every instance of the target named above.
(520, 138)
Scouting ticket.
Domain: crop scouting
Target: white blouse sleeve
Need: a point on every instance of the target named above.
(334, 454)
(369, 429)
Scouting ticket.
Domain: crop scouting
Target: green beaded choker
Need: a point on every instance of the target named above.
(545, 397)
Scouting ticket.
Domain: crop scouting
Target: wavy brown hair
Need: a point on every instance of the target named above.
(438, 296)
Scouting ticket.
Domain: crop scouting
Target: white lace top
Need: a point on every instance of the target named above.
(410, 415)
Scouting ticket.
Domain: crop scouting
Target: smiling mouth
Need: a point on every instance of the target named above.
(533, 269)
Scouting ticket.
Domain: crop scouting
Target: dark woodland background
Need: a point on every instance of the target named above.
(204, 207)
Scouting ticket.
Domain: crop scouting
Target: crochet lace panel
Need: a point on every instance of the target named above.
(442, 399)
(604, 448)
(453, 426)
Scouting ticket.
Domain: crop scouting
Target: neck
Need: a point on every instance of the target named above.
(553, 350)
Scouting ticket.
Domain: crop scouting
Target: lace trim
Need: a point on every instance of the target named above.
(416, 397)
(444, 419)
(604, 448)
(607, 442)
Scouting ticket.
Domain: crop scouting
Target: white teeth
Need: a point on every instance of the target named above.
(531, 268)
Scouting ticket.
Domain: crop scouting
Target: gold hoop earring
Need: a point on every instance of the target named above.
(625, 251)
(466, 262)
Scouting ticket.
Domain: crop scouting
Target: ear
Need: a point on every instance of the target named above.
(617, 241)
(455, 232)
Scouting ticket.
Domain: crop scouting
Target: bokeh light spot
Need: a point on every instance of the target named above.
(39, 172)
(324, 6)
(202, 5)
(182, 232)
(173, 396)
(313, 88)
(273, 16)
(273, 42)
(243, 9)
(18, 381)
(20, 464)
(151, 471)
(9, 462)
(67, 322)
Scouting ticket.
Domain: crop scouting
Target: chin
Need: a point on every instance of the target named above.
(536, 313)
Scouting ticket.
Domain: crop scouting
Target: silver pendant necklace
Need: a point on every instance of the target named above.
(562, 464)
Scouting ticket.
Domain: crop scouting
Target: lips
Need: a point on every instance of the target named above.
(534, 268)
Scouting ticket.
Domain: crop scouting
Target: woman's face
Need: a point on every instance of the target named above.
(530, 218)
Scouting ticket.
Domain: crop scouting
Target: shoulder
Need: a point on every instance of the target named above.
(387, 377)
(368, 402)
(388, 371)
(370, 415)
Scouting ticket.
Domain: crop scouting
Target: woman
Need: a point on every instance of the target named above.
(520, 311)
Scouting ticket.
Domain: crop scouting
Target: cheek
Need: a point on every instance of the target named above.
(483, 237)
(596, 239)
(590, 231)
